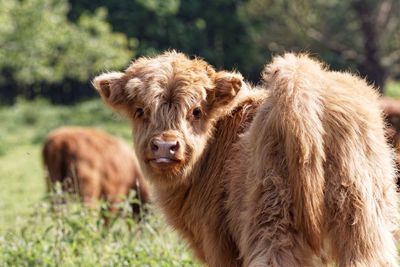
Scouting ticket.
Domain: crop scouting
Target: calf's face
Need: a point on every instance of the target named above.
(172, 102)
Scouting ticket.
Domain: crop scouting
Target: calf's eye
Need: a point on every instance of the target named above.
(197, 113)
(139, 112)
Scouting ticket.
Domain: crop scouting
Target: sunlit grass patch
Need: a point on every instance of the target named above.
(393, 89)
(72, 235)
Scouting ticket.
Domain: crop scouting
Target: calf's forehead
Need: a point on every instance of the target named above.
(174, 80)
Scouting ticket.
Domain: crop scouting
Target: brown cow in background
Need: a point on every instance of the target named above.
(93, 164)
(391, 108)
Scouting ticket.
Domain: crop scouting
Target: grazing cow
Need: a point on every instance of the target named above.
(93, 164)
(294, 173)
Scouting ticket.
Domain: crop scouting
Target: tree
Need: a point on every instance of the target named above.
(362, 35)
(40, 47)
(213, 29)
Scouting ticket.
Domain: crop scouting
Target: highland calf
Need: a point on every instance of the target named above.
(94, 165)
(294, 173)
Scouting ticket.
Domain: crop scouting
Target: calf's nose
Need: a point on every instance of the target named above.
(161, 148)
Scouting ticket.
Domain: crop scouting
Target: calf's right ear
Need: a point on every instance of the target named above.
(111, 87)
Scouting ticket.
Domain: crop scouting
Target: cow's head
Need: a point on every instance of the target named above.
(173, 102)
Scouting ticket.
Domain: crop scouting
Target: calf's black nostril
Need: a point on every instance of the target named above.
(153, 147)
(175, 147)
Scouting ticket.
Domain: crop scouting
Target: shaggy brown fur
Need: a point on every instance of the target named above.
(296, 173)
(93, 164)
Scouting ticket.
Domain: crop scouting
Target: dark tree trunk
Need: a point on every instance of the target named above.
(370, 67)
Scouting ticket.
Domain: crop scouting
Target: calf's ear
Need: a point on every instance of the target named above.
(111, 87)
(227, 85)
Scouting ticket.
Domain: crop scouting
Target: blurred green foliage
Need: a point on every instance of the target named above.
(214, 30)
(39, 45)
(53, 48)
(358, 35)
(361, 36)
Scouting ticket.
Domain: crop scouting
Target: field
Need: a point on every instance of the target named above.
(32, 233)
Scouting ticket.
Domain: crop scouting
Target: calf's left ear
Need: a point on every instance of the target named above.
(111, 87)
(227, 85)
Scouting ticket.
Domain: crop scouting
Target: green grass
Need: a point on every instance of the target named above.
(393, 89)
(70, 235)
(32, 234)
